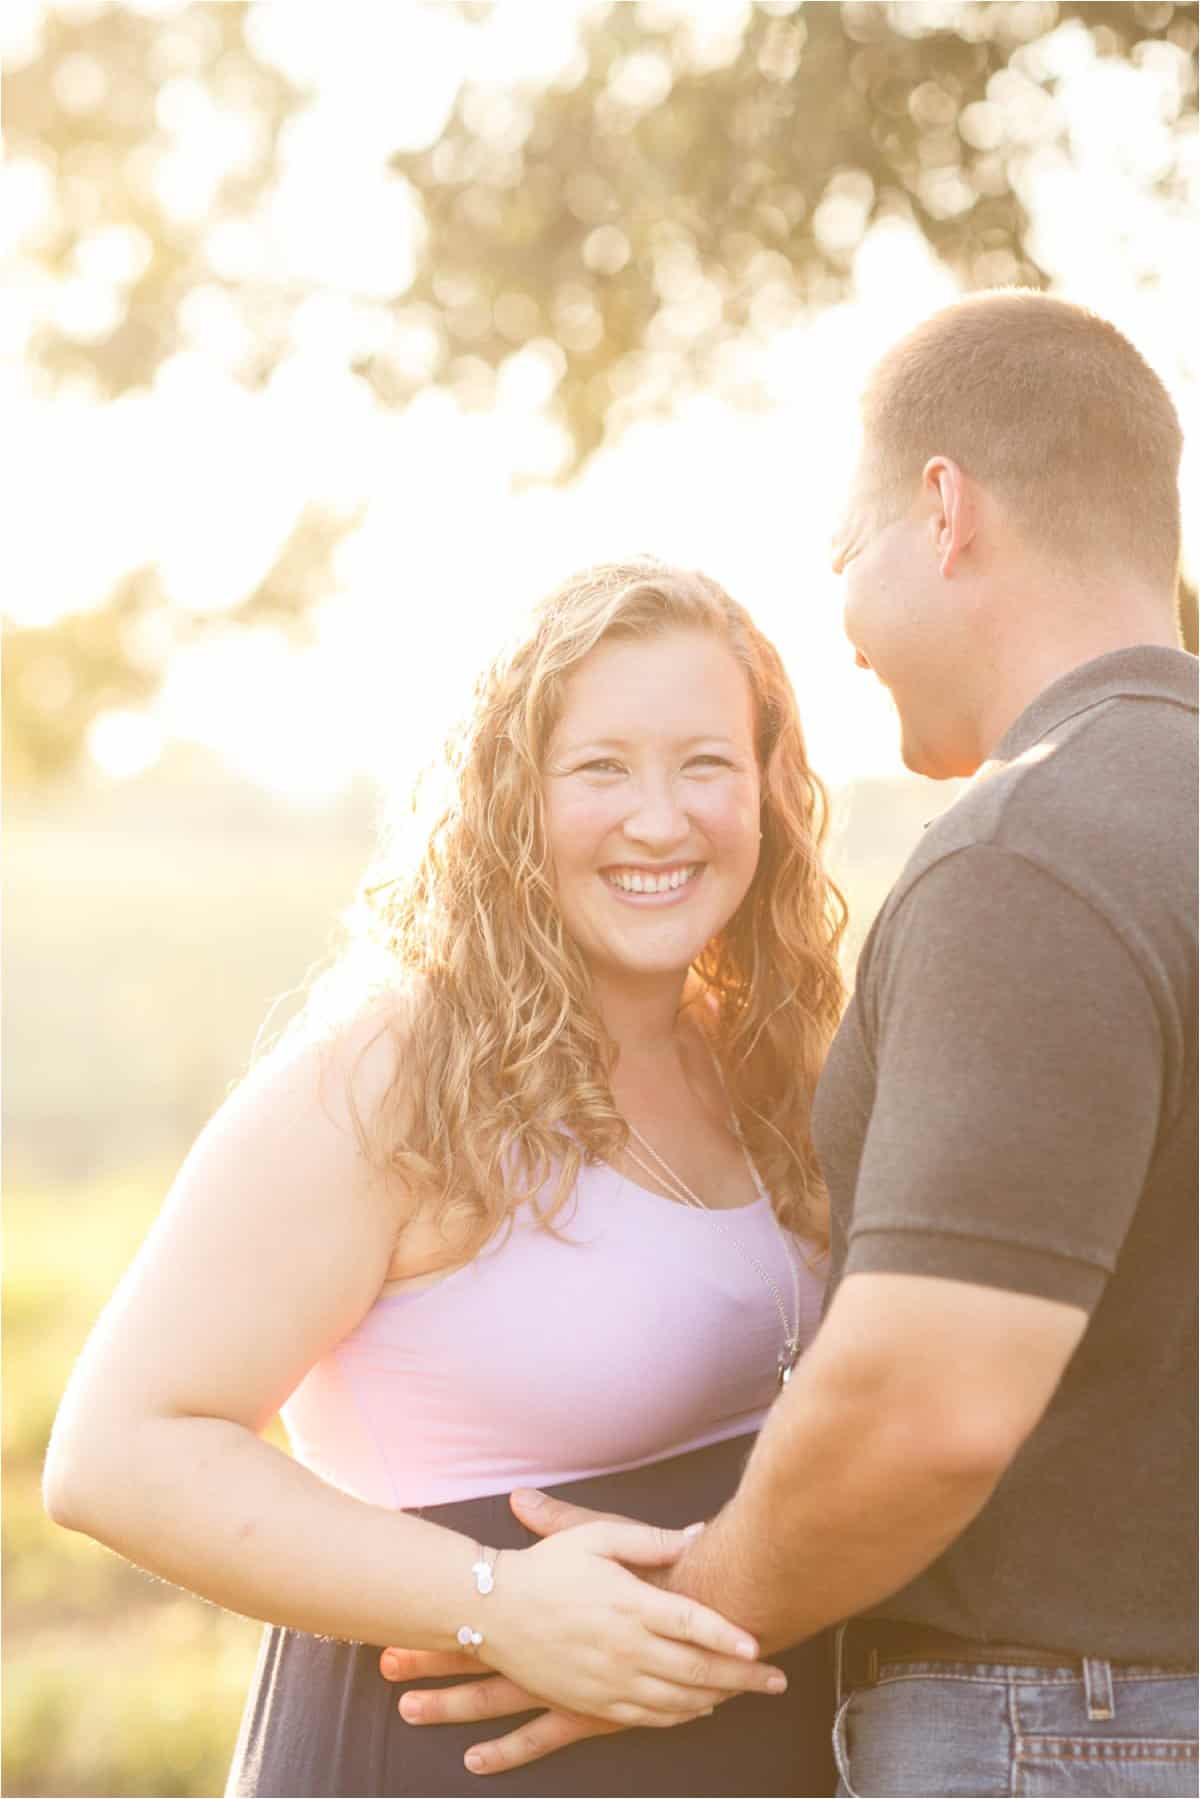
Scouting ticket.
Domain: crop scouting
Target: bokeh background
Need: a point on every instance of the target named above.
(336, 334)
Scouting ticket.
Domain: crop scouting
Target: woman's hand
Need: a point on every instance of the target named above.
(569, 1626)
(581, 1631)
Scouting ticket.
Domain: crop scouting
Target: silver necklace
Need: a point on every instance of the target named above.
(789, 1355)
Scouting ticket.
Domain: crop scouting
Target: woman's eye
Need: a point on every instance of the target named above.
(607, 765)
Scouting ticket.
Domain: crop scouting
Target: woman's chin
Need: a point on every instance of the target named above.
(652, 961)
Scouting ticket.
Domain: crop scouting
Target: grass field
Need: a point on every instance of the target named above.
(148, 932)
(113, 1682)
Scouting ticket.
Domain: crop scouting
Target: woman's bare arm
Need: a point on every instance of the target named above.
(271, 1247)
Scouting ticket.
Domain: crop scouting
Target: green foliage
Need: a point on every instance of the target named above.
(683, 191)
(678, 189)
(662, 204)
(87, 104)
(59, 677)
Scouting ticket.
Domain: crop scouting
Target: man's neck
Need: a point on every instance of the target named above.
(1035, 662)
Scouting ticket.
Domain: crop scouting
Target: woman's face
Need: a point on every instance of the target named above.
(651, 792)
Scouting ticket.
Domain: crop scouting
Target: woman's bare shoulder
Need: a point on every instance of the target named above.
(353, 1065)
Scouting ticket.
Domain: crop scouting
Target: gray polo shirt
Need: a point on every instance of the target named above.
(1011, 1101)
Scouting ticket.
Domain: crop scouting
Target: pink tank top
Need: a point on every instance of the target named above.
(648, 1333)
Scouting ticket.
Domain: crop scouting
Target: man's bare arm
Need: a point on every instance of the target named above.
(891, 1435)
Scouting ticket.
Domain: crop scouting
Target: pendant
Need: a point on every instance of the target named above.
(788, 1357)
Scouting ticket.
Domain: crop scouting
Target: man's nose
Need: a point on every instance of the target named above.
(860, 659)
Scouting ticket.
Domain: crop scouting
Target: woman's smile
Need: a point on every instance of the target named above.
(654, 886)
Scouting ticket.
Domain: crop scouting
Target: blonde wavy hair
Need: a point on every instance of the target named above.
(502, 1065)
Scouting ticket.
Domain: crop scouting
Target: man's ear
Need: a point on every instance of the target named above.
(952, 515)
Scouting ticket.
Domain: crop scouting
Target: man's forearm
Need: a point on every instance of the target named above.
(840, 1505)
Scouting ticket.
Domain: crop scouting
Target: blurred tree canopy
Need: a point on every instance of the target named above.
(693, 179)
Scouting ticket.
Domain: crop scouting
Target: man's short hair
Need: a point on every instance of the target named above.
(1049, 407)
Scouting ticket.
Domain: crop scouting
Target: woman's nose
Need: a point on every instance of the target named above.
(657, 816)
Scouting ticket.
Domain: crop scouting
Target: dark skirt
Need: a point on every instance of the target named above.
(321, 1719)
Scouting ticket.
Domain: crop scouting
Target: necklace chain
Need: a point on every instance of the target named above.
(683, 1193)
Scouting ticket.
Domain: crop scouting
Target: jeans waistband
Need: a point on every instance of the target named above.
(864, 1644)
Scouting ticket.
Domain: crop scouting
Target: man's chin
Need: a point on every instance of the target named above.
(913, 757)
(919, 759)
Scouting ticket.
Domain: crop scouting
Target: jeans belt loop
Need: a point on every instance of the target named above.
(856, 1660)
(1098, 1689)
(839, 1665)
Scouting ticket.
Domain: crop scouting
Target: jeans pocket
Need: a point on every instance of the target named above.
(840, 1752)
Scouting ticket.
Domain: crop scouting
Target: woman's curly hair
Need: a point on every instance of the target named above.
(502, 1070)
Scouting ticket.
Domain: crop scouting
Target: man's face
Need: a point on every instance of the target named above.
(892, 610)
(864, 555)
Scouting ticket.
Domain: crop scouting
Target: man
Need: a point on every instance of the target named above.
(986, 1461)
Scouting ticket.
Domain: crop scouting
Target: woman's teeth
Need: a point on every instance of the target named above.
(631, 881)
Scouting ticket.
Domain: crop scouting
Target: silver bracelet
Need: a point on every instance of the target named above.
(484, 1570)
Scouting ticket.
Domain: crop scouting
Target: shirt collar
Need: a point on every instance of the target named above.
(1147, 671)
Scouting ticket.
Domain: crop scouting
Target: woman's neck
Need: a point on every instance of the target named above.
(641, 1015)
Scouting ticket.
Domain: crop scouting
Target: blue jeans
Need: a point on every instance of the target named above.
(969, 1730)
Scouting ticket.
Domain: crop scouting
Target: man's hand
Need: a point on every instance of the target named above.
(545, 1516)
(473, 1701)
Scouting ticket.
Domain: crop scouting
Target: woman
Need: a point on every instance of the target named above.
(508, 1223)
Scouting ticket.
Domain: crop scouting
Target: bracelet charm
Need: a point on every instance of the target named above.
(484, 1571)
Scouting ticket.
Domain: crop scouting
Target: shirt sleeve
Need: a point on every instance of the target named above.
(1019, 1079)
